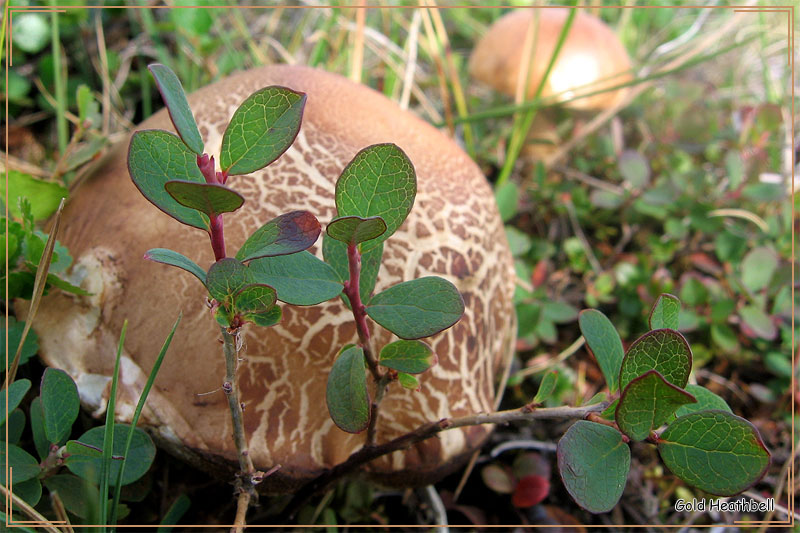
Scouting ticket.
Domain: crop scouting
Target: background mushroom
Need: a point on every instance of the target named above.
(591, 59)
(453, 231)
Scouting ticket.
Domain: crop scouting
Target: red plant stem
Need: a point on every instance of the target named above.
(353, 293)
(217, 235)
(215, 231)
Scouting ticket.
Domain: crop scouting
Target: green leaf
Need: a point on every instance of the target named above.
(417, 308)
(411, 357)
(634, 168)
(14, 330)
(43, 195)
(266, 319)
(335, 254)
(226, 277)
(140, 455)
(37, 428)
(664, 350)
(546, 387)
(706, 401)
(604, 343)
(646, 403)
(256, 298)
(16, 392)
(60, 404)
(176, 510)
(559, 312)
(157, 156)
(209, 198)
(758, 267)
(289, 233)
(299, 279)
(346, 394)
(31, 32)
(665, 312)
(379, 181)
(507, 197)
(16, 425)
(759, 322)
(594, 463)
(177, 106)
(24, 464)
(407, 381)
(30, 491)
(261, 130)
(355, 230)
(78, 495)
(170, 257)
(717, 452)
(611, 410)
(88, 109)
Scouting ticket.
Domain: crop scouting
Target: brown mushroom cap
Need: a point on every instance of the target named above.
(591, 59)
(453, 231)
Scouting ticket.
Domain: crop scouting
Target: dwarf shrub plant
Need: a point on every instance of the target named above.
(373, 196)
(704, 444)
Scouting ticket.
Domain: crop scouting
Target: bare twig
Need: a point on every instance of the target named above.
(426, 431)
(576, 227)
(247, 477)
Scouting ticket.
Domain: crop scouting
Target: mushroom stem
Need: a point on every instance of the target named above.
(245, 487)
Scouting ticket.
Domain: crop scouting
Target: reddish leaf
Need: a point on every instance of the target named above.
(530, 490)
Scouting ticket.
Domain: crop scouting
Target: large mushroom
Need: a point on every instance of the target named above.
(453, 231)
(591, 59)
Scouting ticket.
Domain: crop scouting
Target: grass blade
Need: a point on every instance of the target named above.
(139, 406)
(175, 512)
(39, 283)
(108, 434)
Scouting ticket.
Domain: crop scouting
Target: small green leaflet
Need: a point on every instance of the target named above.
(289, 233)
(25, 465)
(407, 381)
(225, 278)
(605, 344)
(60, 404)
(261, 130)
(646, 403)
(16, 392)
(714, 451)
(156, 157)
(266, 319)
(170, 257)
(78, 495)
(355, 230)
(140, 455)
(379, 181)
(665, 312)
(706, 401)
(300, 279)
(346, 393)
(335, 254)
(177, 106)
(411, 357)
(417, 308)
(209, 198)
(47, 194)
(256, 299)
(594, 464)
(546, 387)
(664, 350)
